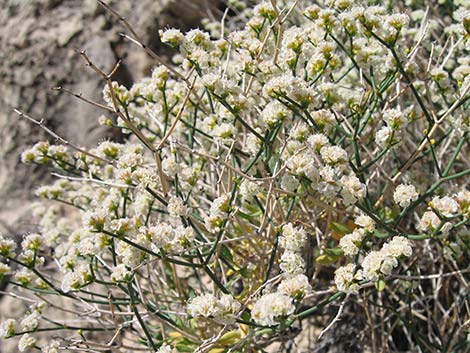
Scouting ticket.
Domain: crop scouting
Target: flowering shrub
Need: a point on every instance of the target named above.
(316, 156)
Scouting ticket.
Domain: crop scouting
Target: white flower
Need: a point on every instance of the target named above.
(26, 341)
(323, 118)
(428, 222)
(222, 310)
(334, 155)
(384, 137)
(397, 20)
(24, 276)
(463, 198)
(219, 208)
(7, 246)
(303, 164)
(271, 308)
(253, 143)
(365, 222)
(446, 205)
(350, 242)
(31, 321)
(292, 263)
(394, 118)
(228, 308)
(352, 189)
(170, 167)
(7, 328)
(292, 238)
(37, 154)
(198, 37)
(377, 263)
(120, 94)
(204, 305)
(87, 246)
(160, 235)
(289, 182)
(182, 237)
(398, 246)
(172, 36)
(317, 141)
(52, 347)
(225, 131)
(296, 287)
(446, 227)
(299, 132)
(293, 87)
(120, 273)
(220, 205)
(71, 281)
(405, 194)
(176, 207)
(4, 269)
(122, 226)
(142, 204)
(131, 256)
(293, 39)
(108, 149)
(248, 190)
(95, 220)
(273, 113)
(32, 242)
(347, 278)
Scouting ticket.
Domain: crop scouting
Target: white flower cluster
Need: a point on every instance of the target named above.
(52, 347)
(218, 210)
(8, 328)
(405, 194)
(177, 208)
(443, 210)
(7, 246)
(223, 310)
(347, 278)
(445, 206)
(26, 342)
(350, 243)
(271, 308)
(292, 241)
(120, 273)
(375, 265)
(295, 287)
(378, 263)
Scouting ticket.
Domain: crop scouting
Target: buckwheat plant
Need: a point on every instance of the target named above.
(300, 169)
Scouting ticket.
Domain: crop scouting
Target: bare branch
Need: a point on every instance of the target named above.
(41, 124)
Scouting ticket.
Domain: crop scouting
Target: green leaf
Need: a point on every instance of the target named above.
(339, 228)
(229, 338)
(250, 216)
(335, 252)
(380, 285)
(226, 254)
(244, 272)
(182, 344)
(326, 259)
(245, 316)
